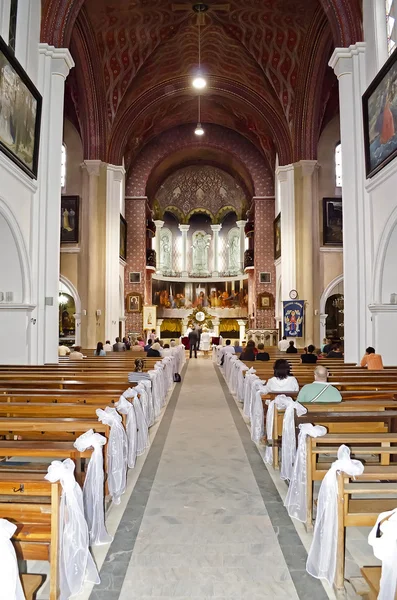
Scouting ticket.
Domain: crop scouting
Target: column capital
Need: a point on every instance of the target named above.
(282, 172)
(183, 228)
(341, 60)
(159, 223)
(241, 224)
(308, 167)
(62, 60)
(92, 167)
(216, 228)
(117, 170)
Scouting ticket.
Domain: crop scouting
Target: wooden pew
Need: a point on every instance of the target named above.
(55, 429)
(33, 505)
(372, 576)
(360, 444)
(359, 512)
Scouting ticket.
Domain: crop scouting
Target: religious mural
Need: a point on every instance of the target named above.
(181, 296)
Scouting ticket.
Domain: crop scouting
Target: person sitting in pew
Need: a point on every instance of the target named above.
(118, 346)
(309, 357)
(99, 350)
(320, 390)
(282, 381)
(283, 344)
(262, 355)
(249, 353)
(148, 345)
(371, 360)
(63, 350)
(76, 354)
(328, 346)
(291, 348)
(336, 351)
(154, 351)
(237, 348)
(108, 346)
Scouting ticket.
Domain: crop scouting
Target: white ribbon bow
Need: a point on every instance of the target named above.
(288, 444)
(296, 499)
(257, 417)
(126, 408)
(75, 561)
(385, 548)
(93, 487)
(11, 588)
(321, 561)
(116, 452)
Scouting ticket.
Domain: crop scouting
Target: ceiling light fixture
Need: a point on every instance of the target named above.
(199, 82)
(199, 130)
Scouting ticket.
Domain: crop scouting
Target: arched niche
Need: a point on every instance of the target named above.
(71, 305)
(332, 293)
(389, 273)
(14, 261)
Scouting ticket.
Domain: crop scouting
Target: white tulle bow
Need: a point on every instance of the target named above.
(126, 408)
(383, 539)
(75, 561)
(288, 444)
(257, 417)
(296, 499)
(321, 561)
(11, 588)
(93, 492)
(116, 452)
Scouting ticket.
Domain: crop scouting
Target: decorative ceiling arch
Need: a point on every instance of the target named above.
(244, 159)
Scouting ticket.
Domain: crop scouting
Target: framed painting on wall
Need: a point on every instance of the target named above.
(134, 302)
(332, 222)
(277, 236)
(149, 317)
(265, 301)
(123, 238)
(380, 118)
(20, 113)
(69, 219)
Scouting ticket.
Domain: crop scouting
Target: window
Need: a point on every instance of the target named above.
(63, 167)
(338, 165)
(12, 29)
(391, 7)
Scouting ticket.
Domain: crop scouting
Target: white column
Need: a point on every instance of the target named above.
(286, 186)
(375, 35)
(349, 67)
(241, 225)
(114, 193)
(54, 66)
(159, 323)
(216, 229)
(184, 229)
(159, 225)
(242, 324)
(5, 6)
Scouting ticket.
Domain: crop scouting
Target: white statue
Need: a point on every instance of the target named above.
(234, 250)
(201, 243)
(166, 250)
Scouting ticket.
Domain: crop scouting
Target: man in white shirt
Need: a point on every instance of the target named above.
(228, 349)
(108, 346)
(283, 344)
(63, 350)
(76, 354)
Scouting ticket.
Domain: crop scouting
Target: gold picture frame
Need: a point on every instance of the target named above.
(133, 302)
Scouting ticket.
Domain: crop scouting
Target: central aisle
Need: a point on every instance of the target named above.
(205, 531)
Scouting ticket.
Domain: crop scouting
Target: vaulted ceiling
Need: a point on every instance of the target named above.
(265, 60)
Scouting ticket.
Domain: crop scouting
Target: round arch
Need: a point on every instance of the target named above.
(323, 300)
(381, 255)
(77, 302)
(23, 257)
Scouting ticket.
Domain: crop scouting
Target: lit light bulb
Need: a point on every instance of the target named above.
(199, 83)
(199, 130)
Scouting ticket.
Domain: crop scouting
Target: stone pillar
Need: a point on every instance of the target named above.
(184, 229)
(216, 323)
(241, 224)
(349, 67)
(54, 66)
(216, 229)
(159, 225)
(285, 181)
(114, 195)
(159, 323)
(323, 328)
(307, 227)
(185, 322)
(242, 324)
(91, 263)
(375, 35)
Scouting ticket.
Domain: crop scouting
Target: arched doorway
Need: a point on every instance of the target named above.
(69, 313)
(332, 311)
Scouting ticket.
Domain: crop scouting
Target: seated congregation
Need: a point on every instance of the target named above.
(329, 430)
(70, 433)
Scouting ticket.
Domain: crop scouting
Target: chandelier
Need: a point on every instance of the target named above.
(339, 303)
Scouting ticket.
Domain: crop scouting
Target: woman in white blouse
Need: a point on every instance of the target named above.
(282, 380)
